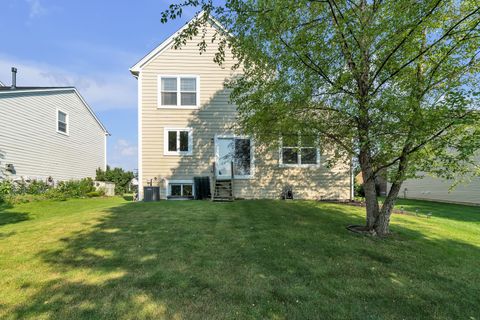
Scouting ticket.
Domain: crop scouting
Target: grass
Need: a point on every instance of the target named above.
(113, 259)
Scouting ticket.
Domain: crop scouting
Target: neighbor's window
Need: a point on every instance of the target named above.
(62, 122)
(178, 91)
(297, 150)
(178, 141)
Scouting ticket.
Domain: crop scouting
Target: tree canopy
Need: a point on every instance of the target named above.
(394, 84)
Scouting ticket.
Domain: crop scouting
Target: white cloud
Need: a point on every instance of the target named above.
(36, 9)
(125, 148)
(124, 154)
(103, 91)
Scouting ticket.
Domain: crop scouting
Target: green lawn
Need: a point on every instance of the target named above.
(108, 258)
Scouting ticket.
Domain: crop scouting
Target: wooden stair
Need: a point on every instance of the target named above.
(222, 189)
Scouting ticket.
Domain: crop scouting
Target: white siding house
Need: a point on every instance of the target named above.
(435, 189)
(49, 132)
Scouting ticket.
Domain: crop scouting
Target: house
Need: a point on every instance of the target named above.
(49, 132)
(185, 123)
(436, 189)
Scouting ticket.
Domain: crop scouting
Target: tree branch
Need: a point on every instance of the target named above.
(422, 52)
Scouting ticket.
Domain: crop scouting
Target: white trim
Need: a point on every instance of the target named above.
(177, 153)
(135, 70)
(105, 152)
(299, 159)
(252, 154)
(67, 122)
(140, 148)
(60, 89)
(179, 98)
(182, 182)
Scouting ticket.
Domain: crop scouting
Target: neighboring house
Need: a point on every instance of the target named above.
(436, 189)
(49, 132)
(184, 127)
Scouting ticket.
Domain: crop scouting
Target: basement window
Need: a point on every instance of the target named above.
(180, 189)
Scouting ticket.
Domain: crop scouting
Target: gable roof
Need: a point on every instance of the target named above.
(7, 90)
(169, 41)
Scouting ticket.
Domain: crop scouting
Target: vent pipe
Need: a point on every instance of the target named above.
(14, 78)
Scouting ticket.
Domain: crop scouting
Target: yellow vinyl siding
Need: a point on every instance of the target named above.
(216, 116)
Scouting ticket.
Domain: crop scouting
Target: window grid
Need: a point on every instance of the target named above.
(178, 141)
(183, 93)
(62, 122)
(298, 150)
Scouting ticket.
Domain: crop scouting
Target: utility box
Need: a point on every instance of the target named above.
(151, 194)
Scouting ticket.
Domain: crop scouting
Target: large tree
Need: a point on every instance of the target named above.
(391, 83)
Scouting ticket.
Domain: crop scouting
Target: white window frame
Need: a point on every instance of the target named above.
(67, 123)
(299, 156)
(177, 153)
(179, 96)
(181, 182)
(252, 154)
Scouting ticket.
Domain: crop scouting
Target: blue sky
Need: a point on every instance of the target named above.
(89, 44)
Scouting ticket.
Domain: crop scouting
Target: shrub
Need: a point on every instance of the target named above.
(55, 194)
(76, 188)
(120, 177)
(36, 187)
(99, 193)
(6, 189)
(359, 191)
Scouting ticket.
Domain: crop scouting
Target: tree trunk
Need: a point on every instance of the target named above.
(382, 224)
(371, 200)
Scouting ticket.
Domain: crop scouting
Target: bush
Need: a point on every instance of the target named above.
(6, 189)
(36, 187)
(120, 177)
(99, 193)
(76, 188)
(359, 191)
(55, 194)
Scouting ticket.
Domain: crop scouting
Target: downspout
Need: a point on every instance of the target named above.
(352, 182)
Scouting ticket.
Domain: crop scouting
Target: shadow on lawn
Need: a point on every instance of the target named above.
(449, 211)
(249, 259)
(8, 217)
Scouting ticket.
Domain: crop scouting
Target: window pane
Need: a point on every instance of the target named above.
(309, 141)
(242, 157)
(62, 116)
(176, 190)
(169, 98)
(62, 127)
(188, 84)
(189, 99)
(169, 84)
(172, 140)
(309, 155)
(290, 140)
(290, 155)
(183, 140)
(187, 190)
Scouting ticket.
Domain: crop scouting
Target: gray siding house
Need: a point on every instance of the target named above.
(49, 132)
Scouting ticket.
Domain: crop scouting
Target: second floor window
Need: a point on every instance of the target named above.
(62, 122)
(178, 91)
